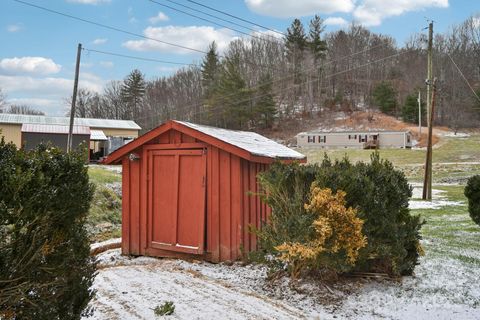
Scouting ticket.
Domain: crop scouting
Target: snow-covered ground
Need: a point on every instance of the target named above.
(443, 287)
(130, 288)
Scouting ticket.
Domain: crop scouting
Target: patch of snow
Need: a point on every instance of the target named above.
(96, 245)
(132, 292)
(438, 199)
(457, 135)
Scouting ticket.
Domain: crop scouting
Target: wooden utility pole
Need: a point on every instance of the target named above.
(74, 100)
(429, 69)
(419, 100)
(427, 182)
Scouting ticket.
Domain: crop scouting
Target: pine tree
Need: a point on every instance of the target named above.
(210, 67)
(234, 96)
(318, 47)
(384, 96)
(133, 90)
(410, 109)
(265, 105)
(295, 44)
(210, 75)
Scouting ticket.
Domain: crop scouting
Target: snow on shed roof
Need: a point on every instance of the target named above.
(58, 129)
(88, 122)
(250, 141)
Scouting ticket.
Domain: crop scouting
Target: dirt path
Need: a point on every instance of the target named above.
(131, 292)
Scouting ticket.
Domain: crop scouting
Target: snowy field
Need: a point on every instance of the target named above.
(445, 284)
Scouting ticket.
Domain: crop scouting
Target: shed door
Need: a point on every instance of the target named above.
(177, 185)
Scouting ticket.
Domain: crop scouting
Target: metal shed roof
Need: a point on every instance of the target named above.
(250, 141)
(89, 122)
(58, 129)
(98, 135)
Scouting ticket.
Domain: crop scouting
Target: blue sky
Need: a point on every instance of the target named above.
(38, 49)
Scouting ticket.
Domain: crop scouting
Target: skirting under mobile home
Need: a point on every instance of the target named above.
(355, 139)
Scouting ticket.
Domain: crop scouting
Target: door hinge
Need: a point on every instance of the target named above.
(203, 181)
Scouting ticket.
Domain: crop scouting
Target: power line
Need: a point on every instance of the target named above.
(138, 58)
(236, 17)
(210, 21)
(107, 26)
(122, 30)
(463, 76)
(211, 15)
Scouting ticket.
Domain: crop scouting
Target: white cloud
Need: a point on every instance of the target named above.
(46, 94)
(99, 41)
(30, 65)
(95, 2)
(47, 86)
(197, 37)
(159, 18)
(289, 8)
(335, 21)
(106, 64)
(372, 12)
(14, 27)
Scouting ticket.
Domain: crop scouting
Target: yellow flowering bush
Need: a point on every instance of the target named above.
(337, 236)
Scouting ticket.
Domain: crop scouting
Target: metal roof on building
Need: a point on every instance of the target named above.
(89, 122)
(57, 129)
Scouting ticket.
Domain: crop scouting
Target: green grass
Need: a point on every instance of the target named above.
(105, 214)
(449, 150)
(103, 176)
(449, 232)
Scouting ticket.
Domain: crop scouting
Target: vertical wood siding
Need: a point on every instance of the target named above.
(232, 206)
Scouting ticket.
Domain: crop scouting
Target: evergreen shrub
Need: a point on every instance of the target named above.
(472, 192)
(45, 266)
(378, 192)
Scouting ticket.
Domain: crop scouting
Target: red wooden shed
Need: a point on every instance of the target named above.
(186, 190)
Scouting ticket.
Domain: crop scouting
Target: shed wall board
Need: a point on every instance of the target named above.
(230, 209)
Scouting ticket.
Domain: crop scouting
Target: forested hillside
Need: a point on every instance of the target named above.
(258, 82)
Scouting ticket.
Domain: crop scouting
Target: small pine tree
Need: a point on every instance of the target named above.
(410, 109)
(384, 96)
(133, 90)
(472, 192)
(265, 106)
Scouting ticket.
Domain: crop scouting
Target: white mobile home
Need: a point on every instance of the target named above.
(355, 139)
